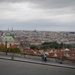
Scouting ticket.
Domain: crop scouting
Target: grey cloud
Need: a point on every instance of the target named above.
(47, 3)
(13, 0)
(57, 7)
(54, 3)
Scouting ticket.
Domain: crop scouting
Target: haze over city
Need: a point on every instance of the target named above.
(43, 15)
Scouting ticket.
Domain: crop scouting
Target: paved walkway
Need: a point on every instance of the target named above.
(37, 62)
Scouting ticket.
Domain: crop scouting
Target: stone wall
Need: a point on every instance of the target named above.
(36, 57)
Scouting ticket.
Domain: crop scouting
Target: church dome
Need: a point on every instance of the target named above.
(12, 34)
(8, 38)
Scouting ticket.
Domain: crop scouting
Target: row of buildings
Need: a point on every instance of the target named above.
(38, 37)
(63, 53)
(23, 39)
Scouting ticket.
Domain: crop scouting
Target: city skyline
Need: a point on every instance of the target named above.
(42, 15)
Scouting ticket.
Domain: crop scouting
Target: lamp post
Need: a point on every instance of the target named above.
(6, 47)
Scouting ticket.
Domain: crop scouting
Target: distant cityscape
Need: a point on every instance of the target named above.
(38, 37)
(24, 39)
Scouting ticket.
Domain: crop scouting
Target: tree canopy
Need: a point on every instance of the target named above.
(55, 45)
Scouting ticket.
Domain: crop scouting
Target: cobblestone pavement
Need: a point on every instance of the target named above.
(8, 67)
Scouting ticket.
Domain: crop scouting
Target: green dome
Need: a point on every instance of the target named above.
(8, 38)
(12, 34)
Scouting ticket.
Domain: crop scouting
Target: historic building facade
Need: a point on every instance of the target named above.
(8, 40)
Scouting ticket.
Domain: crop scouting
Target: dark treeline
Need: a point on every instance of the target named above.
(53, 45)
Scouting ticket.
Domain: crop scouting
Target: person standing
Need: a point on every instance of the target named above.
(45, 57)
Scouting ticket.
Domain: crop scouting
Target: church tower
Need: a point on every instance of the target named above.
(8, 39)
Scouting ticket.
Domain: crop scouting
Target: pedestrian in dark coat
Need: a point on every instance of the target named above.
(45, 57)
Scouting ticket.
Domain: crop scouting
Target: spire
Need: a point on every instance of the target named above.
(12, 33)
(12, 29)
(8, 32)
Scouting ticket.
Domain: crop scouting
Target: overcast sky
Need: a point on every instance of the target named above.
(43, 15)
